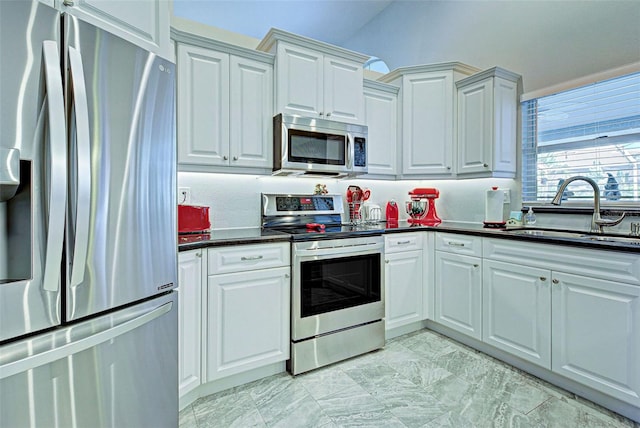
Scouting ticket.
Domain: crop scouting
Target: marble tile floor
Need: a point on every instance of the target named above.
(421, 379)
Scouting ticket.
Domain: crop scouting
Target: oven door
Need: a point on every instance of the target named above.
(337, 284)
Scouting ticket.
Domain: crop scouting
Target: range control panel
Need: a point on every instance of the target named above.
(301, 204)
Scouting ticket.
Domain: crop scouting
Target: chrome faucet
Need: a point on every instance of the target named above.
(597, 222)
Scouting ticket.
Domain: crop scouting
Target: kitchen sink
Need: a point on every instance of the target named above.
(547, 232)
(574, 234)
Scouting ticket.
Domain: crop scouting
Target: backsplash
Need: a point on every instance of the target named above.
(235, 199)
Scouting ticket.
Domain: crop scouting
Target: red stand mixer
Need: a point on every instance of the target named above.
(422, 206)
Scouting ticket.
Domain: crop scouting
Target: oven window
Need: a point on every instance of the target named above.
(316, 147)
(339, 283)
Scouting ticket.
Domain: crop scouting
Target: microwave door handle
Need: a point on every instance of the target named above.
(83, 176)
(57, 168)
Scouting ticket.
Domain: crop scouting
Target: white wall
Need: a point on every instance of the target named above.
(235, 199)
(547, 42)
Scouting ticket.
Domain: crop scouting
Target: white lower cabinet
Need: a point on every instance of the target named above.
(190, 283)
(458, 292)
(247, 322)
(596, 334)
(516, 310)
(403, 280)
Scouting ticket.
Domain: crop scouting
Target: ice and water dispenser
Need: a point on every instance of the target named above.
(15, 216)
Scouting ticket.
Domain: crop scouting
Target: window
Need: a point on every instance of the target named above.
(592, 131)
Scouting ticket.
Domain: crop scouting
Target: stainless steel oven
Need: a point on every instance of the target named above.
(337, 288)
(337, 300)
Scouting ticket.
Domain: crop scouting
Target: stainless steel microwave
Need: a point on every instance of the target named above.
(318, 147)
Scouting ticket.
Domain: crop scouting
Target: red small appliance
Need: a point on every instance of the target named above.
(422, 206)
(193, 219)
(392, 214)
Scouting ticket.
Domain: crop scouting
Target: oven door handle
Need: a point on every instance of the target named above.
(339, 251)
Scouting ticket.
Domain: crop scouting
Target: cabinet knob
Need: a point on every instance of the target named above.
(486, 165)
(448, 167)
(321, 113)
(199, 254)
(328, 114)
(225, 157)
(555, 281)
(68, 3)
(286, 275)
(543, 278)
(386, 261)
(476, 265)
(235, 158)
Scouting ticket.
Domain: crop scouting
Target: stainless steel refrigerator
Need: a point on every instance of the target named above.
(88, 314)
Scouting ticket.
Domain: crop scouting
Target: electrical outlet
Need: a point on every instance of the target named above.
(184, 195)
(507, 196)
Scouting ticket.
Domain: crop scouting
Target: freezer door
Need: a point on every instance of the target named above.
(118, 370)
(121, 224)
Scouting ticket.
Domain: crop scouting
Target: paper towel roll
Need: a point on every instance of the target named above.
(493, 206)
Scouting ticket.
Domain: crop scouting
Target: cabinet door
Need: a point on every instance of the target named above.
(427, 124)
(251, 127)
(203, 106)
(475, 131)
(505, 121)
(247, 321)
(403, 288)
(343, 96)
(458, 293)
(189, 319)
(299, 85)
(516, 303)
(144, 23)
(381, 116)
(596, 334)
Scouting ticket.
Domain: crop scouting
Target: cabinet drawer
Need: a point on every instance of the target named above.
(608, 265)
(248, 257)
(398, 242)
(459, 244)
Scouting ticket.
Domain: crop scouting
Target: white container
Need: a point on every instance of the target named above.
(493, 207)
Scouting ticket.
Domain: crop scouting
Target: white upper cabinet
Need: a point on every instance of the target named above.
(144, 23)
(315, 79)
(487, 124)
(225, 94)
(381, 117)
(427, 111)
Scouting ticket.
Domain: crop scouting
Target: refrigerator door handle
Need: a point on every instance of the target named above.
(83, 165)
(57, 165)
(50, 355)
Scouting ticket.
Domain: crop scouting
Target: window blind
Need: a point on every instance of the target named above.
(593, 131)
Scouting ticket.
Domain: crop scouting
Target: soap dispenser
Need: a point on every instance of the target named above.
(530, 218)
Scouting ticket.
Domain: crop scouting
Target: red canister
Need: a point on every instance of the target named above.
(392, 214)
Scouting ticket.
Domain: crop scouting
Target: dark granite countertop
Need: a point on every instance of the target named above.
(240, 236)
(257, 235)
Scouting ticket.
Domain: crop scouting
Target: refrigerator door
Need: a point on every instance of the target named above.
(33, 124)
(117, 370)
(121, 225)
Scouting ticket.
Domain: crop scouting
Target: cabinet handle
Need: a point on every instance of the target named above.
(225, 157)
(476, 265)
(199, 254)
(68, 3)
(543, 278)
(235, 158)
(402, 242)
(555, 281)
(486, 165)
(248, 258)
(455, 244)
